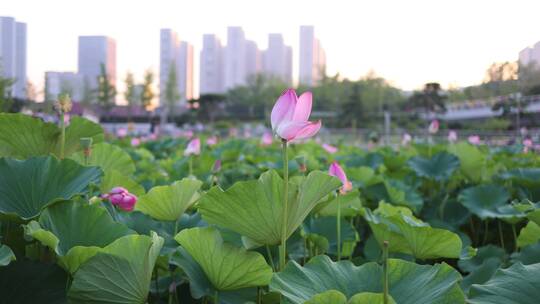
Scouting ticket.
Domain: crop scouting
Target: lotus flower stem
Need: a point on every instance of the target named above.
(486, 228)
(385, 272)
(62, 135)
(515, 237)
(338, 227)
(270, 258)
(157, 281)
(216, 297)
(191, 166)
(283, 247)
(501, 237)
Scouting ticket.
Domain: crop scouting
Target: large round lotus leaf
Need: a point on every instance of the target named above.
(487, 201)
(327, 228)
(28, 186)
(168, 203)
(6, 255)
(27, 282)
(483, 254)
(108, 157)
(439, 167)
(120, 273)
(226, 266)
(527, 255)
(529, 235)
(336, 297)
(472, 160)
(516, 285)
(114, 178)
(409, 283)
(75, 231)
(370, 298)
(254, 208)
(349, 203)
(407, 234)
(23, 136)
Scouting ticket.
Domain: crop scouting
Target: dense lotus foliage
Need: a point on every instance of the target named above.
(89, 218)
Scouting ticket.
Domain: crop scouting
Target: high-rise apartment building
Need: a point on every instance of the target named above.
(13, 54)
(253, 59)
(95, 52)
(211, 65)
(312, 57)
(57, 83)
(177, 55)
(277, 59)
(235, 57)
(530, 55)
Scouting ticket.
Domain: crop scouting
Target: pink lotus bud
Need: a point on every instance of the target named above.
(135, 142)
(121, 132)
(193, 147)
(267, 139)
(406, 139)
(212, 141)
(452, 136)
(217, 166)
(528, 142)
(329, 148)
(290, 116)
(120, 197)
(336, 170)
(433, 127)
(474, 140)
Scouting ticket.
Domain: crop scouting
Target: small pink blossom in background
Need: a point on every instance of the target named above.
(247, 133)
(217, 166)
(233, 132)
(135, 142)
(122, 132)
(474, 140)
(452, 136)
(523, 131)
(329, 148)
(212, 141)
(433, 127)
(267, 139)
(527, 145)
(336, 170)
(406, 139)
(120, 197)
(290, 114)
(153, 136)
(193, 147)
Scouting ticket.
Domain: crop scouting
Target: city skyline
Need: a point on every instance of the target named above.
(402, 42)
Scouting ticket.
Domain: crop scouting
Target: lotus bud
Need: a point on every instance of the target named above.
(329, 148)
(406, 139)
(86, 144)
(217, 166)
(120, 197)
(336, 170)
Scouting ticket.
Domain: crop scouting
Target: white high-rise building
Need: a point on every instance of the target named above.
(530, 55)
(13, 54)
(312, 57)
(57, 83)
(278, 59)
(235, 57)
(211, 65)
(253, 59)
(95, 51)
(178, 55)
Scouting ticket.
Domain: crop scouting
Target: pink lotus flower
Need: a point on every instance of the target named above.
(121, 132)
(212, 141)
(527, 145)
(452, 136)
(267, 139)
(329, 148)
(135, 142)
(290, 116)
(433, 127)
(336, 170)
(406, 139)
(193, 147)
(217, 166)
(474, 140)
(120, 197)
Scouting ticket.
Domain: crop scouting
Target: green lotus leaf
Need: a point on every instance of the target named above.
(350, 205)
(409, 283)
(534, 216)
(527, 255)
(23, 136)
(254, 208)
(529, 235)
(370, 298)
(120, 273)
(6, 255)
(28, 282)
(168, 203)
(327, 228)
(108, 157)
(116, 179)
(407, 234)
(481, 274)
(517, 284)
(472, 160)
(75, 231)
(227, 267)
(328, 297)
(483, 254)
(28, 186)
(439, 167)
(487, 201)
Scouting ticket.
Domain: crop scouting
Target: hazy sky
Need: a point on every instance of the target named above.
(407, 42)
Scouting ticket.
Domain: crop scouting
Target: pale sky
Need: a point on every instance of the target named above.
(407, 42)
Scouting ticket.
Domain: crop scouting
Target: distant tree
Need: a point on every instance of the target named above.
(353, 109)
(260, 92)
(172, 96)
(130, 94)
(30, 90)
(430, 99)
(529, 79)
(88, 95)
(6, 101)
(106, 92)
(209, 106)
(147, 92)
